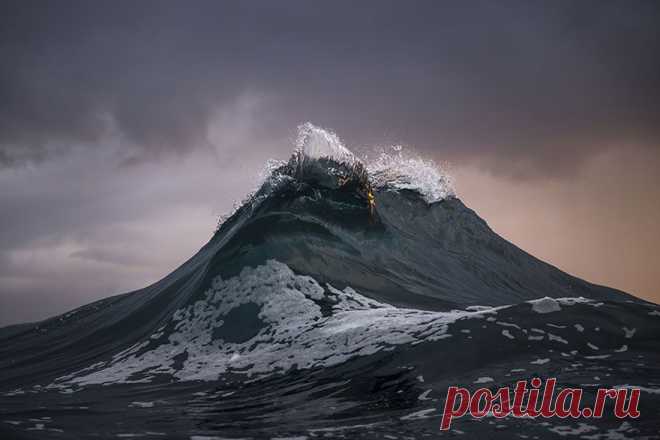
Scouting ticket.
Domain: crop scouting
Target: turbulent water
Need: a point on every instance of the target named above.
(340, 300)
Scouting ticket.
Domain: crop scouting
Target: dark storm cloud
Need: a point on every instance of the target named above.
(535, 83)
(77, 228)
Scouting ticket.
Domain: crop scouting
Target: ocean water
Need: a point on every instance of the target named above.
(339, 300)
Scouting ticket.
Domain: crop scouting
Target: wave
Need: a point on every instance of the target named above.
(268, 320)
(321, 157)
(340, 299)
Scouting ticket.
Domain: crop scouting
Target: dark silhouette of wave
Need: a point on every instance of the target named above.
(340, 300)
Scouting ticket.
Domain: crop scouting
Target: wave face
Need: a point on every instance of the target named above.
(340, 300)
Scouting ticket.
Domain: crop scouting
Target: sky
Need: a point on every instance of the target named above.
(128, 128)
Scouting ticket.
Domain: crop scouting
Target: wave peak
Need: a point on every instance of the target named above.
(391, 169)
(316, 143)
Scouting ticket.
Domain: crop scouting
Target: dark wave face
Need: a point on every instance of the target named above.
(340, 301)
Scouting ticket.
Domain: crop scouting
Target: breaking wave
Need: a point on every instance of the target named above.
(393, 168)
(341, 299)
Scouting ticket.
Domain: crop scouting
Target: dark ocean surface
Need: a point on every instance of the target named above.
(339, 301)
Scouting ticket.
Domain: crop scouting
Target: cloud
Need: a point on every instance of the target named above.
(84, 225)
(600, 225)
(529, 81)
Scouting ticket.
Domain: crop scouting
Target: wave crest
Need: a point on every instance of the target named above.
(401, 171)
(322, 159)
(316, 143)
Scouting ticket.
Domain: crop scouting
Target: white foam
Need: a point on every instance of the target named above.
(484, 379)
(545, 305)
(478, 308)
(614, 434)
(629, 332)
(418, 415)
(602, 356)
(295, 334)
(399, 170)
(508, 324)
(344, 428)
(564, 430)
(645, 389)
(556, 338)
(424, 395)
(508, 334)
(316, 143)
(142, 404)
